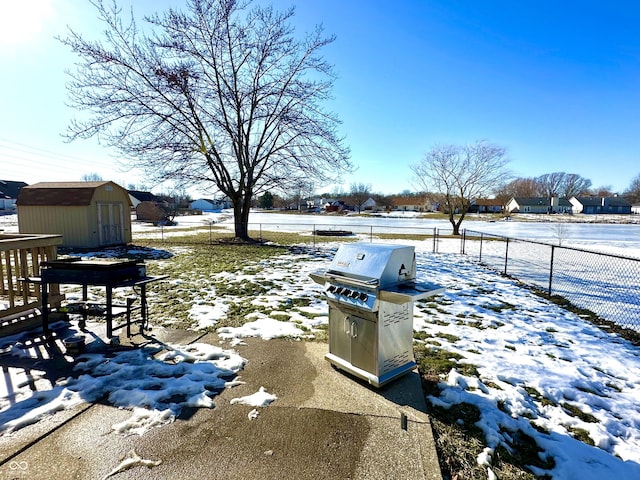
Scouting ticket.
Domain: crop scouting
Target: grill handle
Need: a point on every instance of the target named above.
(354, 330)
(365, 282)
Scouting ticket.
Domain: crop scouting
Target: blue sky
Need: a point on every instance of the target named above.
(556, 83)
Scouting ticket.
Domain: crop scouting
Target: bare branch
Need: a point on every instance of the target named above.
(461, 174)
(221, 92)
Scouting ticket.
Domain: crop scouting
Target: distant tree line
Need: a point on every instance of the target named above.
(557, 184)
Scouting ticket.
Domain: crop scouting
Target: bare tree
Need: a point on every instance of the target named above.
(384, 202)
(519, 187)
(561, 232)
(91, 177)
(299, 190)
(602, 191)
(562, 184)
(633, 192)
(575, 185)
(359, 194)
(220, 93)
(461, 174)
(525, 187)
(550, 184)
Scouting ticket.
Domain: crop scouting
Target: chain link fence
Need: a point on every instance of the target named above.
(607, 285)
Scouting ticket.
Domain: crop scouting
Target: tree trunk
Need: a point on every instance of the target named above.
(455, 225)
(241, 209)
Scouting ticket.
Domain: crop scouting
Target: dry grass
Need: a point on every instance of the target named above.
(458, 440)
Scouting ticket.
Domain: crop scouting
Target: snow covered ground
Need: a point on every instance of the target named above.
(541, 370)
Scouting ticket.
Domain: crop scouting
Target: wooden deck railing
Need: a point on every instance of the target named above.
(20, 257)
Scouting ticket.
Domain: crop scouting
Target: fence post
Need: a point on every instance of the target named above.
(506, 256)
(435, 232)
(553, 249)
(313, 232)
(481, 238)
(371, 234)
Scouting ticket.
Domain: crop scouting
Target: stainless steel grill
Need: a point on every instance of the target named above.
(370, 289)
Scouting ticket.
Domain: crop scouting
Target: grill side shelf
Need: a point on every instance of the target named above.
(409, 291)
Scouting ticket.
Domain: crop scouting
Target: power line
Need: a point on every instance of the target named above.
(31, 151)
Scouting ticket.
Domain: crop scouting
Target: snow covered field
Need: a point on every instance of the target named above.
(542, 371)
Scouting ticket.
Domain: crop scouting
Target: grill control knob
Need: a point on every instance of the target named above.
(346, 292)
(354, 294)
(363, 296)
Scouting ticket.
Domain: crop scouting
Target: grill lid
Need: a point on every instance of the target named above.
(376, 264)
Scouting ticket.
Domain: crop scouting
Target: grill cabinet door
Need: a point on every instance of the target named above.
(340, 334)
(353, 339)
(363, 344)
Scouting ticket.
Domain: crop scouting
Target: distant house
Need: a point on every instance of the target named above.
(137, 197)
(370, 205)
(314, 204)
(410, 204)
(486, 205)
(539, 205)
(86, 214)
(206, 204)
(635, 208)
(325, 203)
(9, 193)
(601, 205)
(336, 206)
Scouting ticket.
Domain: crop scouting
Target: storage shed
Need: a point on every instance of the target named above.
(86, 214)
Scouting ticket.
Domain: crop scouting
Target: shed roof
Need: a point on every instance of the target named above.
(59, 193)
(10, 189)
(143, 196)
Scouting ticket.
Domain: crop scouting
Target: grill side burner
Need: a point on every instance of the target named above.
(370, 289)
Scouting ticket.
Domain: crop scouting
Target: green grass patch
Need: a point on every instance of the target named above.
(448, 337)
(575, 411)
(502, 306)
(580, 434)
(439, 361)
(536, 395)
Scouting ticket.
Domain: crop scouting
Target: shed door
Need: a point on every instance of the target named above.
(110, 224)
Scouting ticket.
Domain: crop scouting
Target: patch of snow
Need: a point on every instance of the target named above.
(264, 327)
(132, 459)
(253, 414)
(259, 399)
(155, 382)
